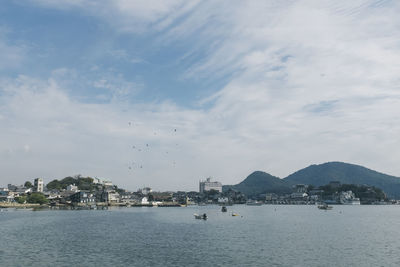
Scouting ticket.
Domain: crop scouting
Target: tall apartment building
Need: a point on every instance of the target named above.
(38, 185)
(207, 185)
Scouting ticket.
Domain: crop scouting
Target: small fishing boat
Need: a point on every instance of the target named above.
(224, 209)
(201, 216)
(324, 207)
(235, 214)
(253, 203)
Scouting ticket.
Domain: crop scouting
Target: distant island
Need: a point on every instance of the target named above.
(332, 182)
(319, 175)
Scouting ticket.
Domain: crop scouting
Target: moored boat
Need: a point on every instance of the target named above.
(201, 216)
(253, 203)
(324, 206)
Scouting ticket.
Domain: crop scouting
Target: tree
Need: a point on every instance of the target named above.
(38, 198)
(55, 184)
(28, 184)
(21, 199)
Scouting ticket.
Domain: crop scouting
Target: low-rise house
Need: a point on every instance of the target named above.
(223, 200)
(96, 181)
(145, 201)
(113, 196)
(72, 188)
(107, 183)
(66, 194)
(271, 198)
(82, 197)
(53, 194)
(12, 187)
(300, 188)
(109, 196)
(162, 196)
(348, 197)
(21, 190)
(6, 195)
(298, 195)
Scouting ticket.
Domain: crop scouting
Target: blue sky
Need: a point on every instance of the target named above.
(74, 40)
(98, 88)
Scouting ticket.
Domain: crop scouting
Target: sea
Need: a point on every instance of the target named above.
(268, 235)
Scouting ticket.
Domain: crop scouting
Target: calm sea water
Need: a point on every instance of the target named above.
(262, 236)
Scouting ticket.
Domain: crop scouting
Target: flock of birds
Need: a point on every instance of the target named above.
(137, 165)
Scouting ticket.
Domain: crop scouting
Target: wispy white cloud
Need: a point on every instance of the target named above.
(126, 15)
(307, 82)
(11, 55)
(64, 136)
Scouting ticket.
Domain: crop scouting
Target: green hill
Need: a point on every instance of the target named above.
(260, 182)
(346, 173)
(83, 183)
(317, 175)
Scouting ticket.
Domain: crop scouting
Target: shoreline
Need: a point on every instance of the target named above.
(84, 205)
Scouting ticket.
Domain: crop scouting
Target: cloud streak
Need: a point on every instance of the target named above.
(304, 82)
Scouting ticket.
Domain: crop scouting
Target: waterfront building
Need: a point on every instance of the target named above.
(53, 195)
(109, 196)
(4, 189)
(38, 185)
(107, 183)
(72, 188)
(12, 187)
(96, 181)
(223, 200)
(349, 198)
(113, 196)
(208, 185)
(300, 188)
(298, 195)
(6, 195)
(21, 190)
(82, 197)
(271, 197)
(145, 201)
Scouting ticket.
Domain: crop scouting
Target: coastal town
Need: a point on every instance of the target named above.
(94, 193)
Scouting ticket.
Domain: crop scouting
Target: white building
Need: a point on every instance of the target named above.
(349, 198)
(207, 185)
(96, 181)
(107, 183)
(72, 187)
(223, 200)
(145, 201)
(38, 185)
(113, 196)
(300, 188)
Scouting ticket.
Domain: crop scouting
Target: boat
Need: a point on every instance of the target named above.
(224, 209)
(253, 203)
(201, 216)
(235, 214)
(324, 206)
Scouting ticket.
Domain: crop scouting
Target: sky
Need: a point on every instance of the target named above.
(165, 93)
